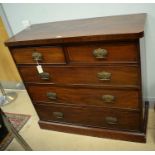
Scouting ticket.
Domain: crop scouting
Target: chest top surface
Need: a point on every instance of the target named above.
(91, 29)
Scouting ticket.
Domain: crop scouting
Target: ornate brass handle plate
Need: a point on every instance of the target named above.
(108, 98)
(111, 120)
(100, 53)
(58, 115)
(51, 95)
(44, 76)
(37, 56)
(104, 76)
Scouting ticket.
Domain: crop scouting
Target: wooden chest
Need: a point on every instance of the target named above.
(84, 76)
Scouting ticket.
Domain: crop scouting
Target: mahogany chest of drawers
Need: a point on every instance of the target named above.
(84, 76)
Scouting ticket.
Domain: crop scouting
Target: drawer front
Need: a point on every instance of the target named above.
(52, 55)
(84, 96)
(98, 117)
(101, 53)
(108, 75)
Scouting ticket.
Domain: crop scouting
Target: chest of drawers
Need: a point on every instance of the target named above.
(89, 80)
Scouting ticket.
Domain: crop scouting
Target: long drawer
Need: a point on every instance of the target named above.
(105, 75)
(104, 52)
(97, 117)
(85, 96)
(29, 55)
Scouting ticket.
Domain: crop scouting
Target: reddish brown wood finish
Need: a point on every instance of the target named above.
(101, 132)
(88, 116)
(96, 132)
(51, 55)
(117, 52)
(121, 75)
(67, 48)
(93, 29)
(126, 99)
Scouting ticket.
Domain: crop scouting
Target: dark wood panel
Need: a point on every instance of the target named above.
(96, 132)
(120, 75)
(79, 79)
(100, 28)
(98, 117)
(116, 52)
(52, 55)
(100, 132)
(127, 99)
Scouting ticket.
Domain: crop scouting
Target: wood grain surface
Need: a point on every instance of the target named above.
(126, 99)
(77, 78)
(93, 29)
(120, 75)
(87, 116)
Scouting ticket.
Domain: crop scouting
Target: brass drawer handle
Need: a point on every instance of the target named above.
(105, 76)
(108, 98)
(111, 120)
(100, 53)
(58, 115)
(51, 96)
(44, 76)
(37, 56)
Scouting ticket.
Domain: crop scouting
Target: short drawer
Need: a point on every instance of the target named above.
(51, 55)
(97, 117)
(49, 94)
(106, 75)
(104, 52)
